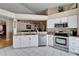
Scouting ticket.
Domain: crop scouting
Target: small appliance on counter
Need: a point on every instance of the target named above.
(61, 25)
(73, 32)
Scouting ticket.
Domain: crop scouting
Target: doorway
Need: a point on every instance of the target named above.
(2, 32)
(6, 32)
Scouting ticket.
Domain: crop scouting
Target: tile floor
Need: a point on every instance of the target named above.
(34, 51)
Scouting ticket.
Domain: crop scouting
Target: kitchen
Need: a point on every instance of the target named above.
(64, 27)
(59, 29)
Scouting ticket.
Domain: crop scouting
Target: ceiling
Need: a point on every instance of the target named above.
(29, 8)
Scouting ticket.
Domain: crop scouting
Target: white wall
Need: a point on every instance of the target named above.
(21, 26)
(10, 25)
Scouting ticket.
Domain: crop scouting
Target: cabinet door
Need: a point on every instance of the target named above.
(25, 41)
(77, 40)
(74, 44)
(16, 42)
(50, 40)
(50, 23)
(34, 40)
(57, 21)
(72, 49)
(63, 20)
(72, 21)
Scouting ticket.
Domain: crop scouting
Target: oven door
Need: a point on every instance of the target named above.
(61, 41)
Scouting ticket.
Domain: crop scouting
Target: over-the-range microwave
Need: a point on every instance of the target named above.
(57, 25)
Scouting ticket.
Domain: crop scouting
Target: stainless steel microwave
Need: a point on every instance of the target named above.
(61, 25)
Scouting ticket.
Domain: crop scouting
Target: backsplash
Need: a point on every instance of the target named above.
(68, 30)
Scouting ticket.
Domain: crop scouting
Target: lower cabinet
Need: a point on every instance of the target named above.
(50, 40)
(33, 40)
(25, 41)
(74, 44)
(16, 42)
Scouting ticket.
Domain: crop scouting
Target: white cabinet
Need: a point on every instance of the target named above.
(57, 21)
(63, 20)
(30, 41)
(50, 40)
(16, 41)
(25, 41)
(72, 21)
(33, 40)
(50, 23)
(43, 39)
(74, 44)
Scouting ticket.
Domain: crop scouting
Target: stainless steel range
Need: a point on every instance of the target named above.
(61, 40)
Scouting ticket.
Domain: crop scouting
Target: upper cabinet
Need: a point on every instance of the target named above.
(50, 23)
(72, 21)
(63, 20)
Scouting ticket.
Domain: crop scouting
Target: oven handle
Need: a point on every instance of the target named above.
(61, 37)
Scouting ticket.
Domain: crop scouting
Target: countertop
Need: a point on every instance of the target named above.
(50, 33)
(31, 33)
(75, 36)
(40, 33)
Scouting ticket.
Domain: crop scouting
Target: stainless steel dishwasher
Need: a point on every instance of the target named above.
(42, 40)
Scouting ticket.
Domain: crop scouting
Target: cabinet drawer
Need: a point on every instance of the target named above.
(72, 40)
(74, 43)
